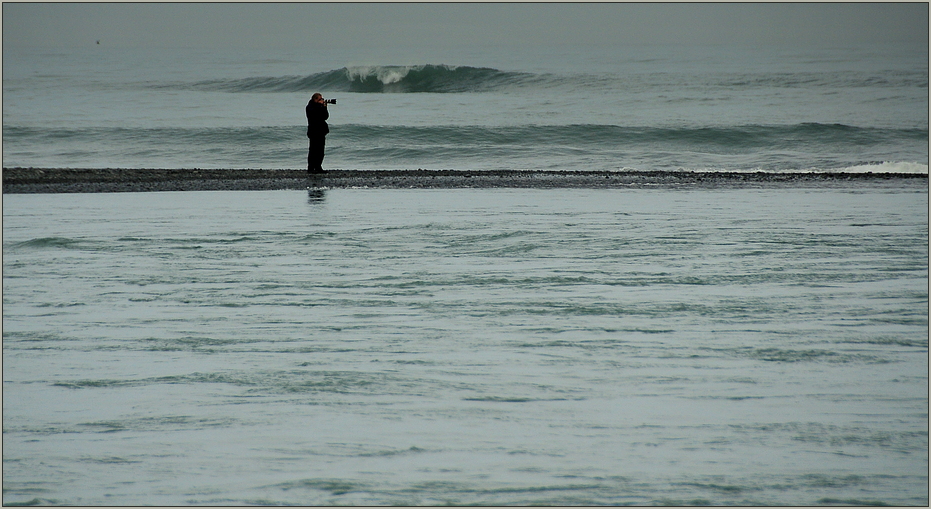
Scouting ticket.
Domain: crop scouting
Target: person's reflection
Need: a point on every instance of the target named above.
(316, 195)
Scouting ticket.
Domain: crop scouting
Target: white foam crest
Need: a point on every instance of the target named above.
(887, 167)
(386, 75)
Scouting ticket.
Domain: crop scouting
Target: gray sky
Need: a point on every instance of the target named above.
(340, 25)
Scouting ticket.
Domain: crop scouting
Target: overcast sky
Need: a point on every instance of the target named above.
(340, 25)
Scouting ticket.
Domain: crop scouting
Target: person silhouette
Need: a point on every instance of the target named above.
(317, 129)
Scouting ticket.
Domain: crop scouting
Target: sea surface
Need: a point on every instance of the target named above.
(502, 346)
(541, 108)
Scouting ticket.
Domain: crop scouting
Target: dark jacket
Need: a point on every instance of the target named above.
(316, 119)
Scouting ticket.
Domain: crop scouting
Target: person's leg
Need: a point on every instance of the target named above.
(315, 155)
(320, 154)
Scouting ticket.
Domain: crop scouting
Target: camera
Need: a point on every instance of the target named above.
(330, 101)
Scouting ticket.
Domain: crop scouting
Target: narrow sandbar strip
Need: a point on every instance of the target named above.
(70, 180)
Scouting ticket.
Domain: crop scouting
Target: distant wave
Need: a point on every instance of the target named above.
(796, 147)
(379, 79)
(443, 79)
(740, 137)
(835, 79)
(746, 137)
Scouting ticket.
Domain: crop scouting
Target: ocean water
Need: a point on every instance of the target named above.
(429, 347)
(568, 108)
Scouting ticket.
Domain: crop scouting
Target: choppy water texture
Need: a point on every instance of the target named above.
(752, 347)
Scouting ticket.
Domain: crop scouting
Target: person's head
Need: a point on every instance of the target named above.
(317, 98)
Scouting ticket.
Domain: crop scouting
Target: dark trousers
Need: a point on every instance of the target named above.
(315, 154)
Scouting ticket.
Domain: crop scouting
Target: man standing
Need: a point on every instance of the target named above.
(317, 130)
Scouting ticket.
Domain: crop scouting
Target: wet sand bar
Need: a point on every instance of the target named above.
(68, 180)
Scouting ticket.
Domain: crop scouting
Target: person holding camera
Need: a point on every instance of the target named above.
(317, 129)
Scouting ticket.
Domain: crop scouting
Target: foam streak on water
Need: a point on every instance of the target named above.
(753, 347)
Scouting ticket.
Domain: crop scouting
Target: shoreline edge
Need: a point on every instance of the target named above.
(88, 180)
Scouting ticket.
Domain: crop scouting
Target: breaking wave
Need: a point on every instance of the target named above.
(381, 79)
(442, 79)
